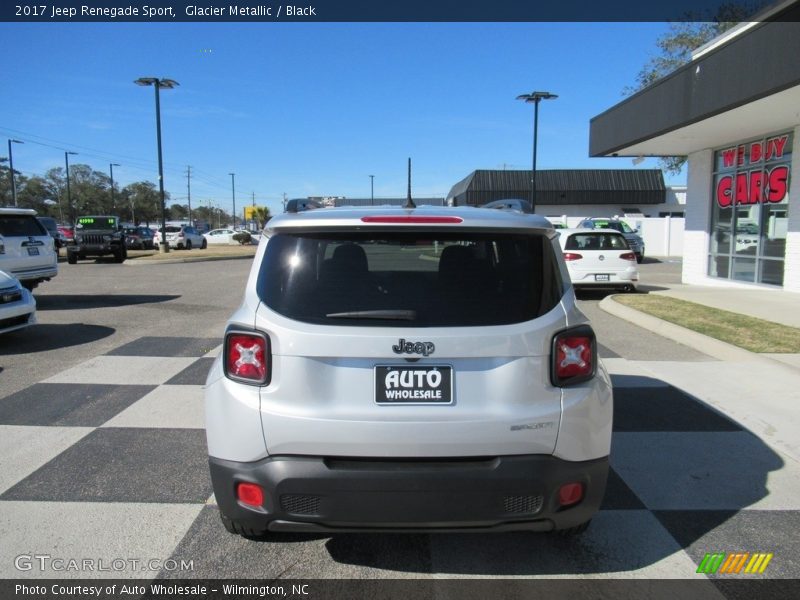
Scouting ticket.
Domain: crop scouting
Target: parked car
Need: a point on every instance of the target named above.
(363, 386)
(220, 236)
(68, 232)
(97, 235)
(17, 306)
(139, 238)
(599, 258)
(29, 252)
(52, 228)
(182, 237)
(632, 236)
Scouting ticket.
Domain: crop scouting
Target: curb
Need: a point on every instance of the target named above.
(702, 343)
(175, 261)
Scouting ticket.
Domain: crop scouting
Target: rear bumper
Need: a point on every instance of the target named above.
(329, 495)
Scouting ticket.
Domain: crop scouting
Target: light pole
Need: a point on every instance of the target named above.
(111, 169)
(233, 192)
(11, 170)
(158, 84)
(372, 190)
(535, 98)
(70, 208)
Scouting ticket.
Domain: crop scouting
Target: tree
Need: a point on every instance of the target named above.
(144, 202)
(676, 48)
(261, 214)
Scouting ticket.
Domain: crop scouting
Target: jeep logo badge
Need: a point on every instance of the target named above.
(404, 347)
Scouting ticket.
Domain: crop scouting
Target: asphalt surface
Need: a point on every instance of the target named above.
(102, 452)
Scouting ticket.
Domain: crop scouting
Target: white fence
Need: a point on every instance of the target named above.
(663, 236)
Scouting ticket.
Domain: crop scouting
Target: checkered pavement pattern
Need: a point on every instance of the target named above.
(108, 460)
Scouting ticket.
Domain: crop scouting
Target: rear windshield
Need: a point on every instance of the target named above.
(97, 223)
(400, 279)
(170, 229)
(595, 241)
(21, 225)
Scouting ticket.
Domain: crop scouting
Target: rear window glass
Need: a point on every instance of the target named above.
(403, 279)
(21, 225)
(595, 241)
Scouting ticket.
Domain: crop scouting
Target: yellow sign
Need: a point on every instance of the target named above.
(249, 212)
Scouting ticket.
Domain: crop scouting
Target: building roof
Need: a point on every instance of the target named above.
(740, 86)
(563, 186)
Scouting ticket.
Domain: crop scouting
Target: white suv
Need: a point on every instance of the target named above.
(29, 252)
(399, 369)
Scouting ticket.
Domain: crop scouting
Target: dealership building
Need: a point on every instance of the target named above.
(734, 110)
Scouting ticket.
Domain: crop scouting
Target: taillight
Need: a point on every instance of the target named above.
(572, 256)
(627, 256)
(573, 356)
(247, 357)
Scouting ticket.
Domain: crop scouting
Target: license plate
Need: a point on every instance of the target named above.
(33, 252)
(602, 277)
(413, 385)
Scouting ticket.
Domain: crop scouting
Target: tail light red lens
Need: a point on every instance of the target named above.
(574, 356)
(247, 357)
(250, 494)
(627, 256)
(570, 493)
(572, 256)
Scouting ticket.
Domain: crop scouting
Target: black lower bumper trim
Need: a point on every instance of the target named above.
(319, 495)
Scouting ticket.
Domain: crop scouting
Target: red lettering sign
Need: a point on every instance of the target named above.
(755, 152)
(728, 157)
(778, 183)
(753, 187)
(775, 147)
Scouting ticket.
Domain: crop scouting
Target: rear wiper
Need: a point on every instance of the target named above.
(399, 315)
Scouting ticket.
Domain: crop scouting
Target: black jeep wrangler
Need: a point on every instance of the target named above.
(97, 236)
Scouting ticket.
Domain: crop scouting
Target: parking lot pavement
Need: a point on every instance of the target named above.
(107, 460)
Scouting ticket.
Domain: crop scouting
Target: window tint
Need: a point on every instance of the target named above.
(21, 225)
(420, 279)
(595, 241)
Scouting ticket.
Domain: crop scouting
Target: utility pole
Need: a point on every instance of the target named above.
(233, 195)
(284, 201)
(253, 217)
(189, 191)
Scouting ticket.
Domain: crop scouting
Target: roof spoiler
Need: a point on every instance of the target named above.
(301, 204)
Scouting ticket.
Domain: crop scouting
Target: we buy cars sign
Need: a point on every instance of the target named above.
(758, 185)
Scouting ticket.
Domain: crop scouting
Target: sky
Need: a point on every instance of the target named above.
(313, 109)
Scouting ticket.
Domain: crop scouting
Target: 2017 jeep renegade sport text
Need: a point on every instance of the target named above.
(408, 369)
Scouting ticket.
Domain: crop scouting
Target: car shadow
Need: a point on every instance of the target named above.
(681, 474)
(41, 338)
(90, 301)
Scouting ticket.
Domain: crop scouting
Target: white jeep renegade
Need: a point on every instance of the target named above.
(398, 369)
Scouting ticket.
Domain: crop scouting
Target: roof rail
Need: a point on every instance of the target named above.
(516, 204)
(301, 204)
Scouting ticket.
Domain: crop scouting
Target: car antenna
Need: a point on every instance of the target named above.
(409, 202)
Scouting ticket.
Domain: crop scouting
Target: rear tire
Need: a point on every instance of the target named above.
(188, 244)
(120, 256)
(204, 244)
(72, 258)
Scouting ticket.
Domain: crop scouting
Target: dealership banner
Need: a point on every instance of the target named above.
(361, 11)
(754, 173)
(697, 588)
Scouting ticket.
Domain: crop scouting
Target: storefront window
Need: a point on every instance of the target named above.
(750, 210)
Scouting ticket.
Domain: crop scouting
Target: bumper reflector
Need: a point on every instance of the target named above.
(250, 494)
(570, 493)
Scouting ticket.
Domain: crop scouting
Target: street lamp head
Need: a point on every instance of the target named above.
(70, 152)
(536, 96)
(16, 141)
(162, 83)
(115, 165)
